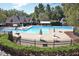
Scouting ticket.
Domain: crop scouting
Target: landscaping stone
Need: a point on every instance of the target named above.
(2, 53)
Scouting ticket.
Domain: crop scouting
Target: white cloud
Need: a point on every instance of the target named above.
(18, 5)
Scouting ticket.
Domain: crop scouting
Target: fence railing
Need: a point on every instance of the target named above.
(40, 43)
(46, 44)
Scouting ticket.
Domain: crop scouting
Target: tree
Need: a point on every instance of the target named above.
(43, 16)
(71, 12)
(42, 12)
(59, 12)
(48, 11)
(41, 8)
(2, 17)
(4, 14)
(36, 12)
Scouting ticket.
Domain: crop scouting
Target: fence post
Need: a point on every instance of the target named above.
(20, 41)
(71, 42)
(35, 43)
(53, 44)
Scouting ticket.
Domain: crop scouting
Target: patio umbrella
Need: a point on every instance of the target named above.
(40, 34)
(54, 32)
(54, 29)
(40, 31)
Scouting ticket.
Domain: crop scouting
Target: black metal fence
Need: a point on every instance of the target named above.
(39, 43)
(45, 44)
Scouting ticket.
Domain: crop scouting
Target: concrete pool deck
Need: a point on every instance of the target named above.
(50, 37)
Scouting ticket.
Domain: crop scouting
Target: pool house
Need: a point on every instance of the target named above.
(17, 20)
(45, 22)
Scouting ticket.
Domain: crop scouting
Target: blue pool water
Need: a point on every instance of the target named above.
(45, 29)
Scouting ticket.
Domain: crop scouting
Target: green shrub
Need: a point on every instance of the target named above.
(55, 23)
(76, 32)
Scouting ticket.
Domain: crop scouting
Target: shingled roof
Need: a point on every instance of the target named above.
(17, 19)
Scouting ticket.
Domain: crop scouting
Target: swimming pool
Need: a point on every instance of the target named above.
(45, 29)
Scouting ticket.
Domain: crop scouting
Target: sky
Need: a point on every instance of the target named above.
(27, 7)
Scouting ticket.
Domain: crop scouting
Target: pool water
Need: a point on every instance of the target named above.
(45, 29)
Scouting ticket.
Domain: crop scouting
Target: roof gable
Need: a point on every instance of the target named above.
(18, 19)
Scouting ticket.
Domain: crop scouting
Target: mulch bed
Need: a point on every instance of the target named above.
(73, 36)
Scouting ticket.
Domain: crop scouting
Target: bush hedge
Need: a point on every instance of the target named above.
(26, 24)
(55, 24)
(76, 32)
(19, 50)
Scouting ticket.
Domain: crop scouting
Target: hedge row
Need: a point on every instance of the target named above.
(76, 32)
(52, 23)
(19, 50)
(55, 24)
(26, 24)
